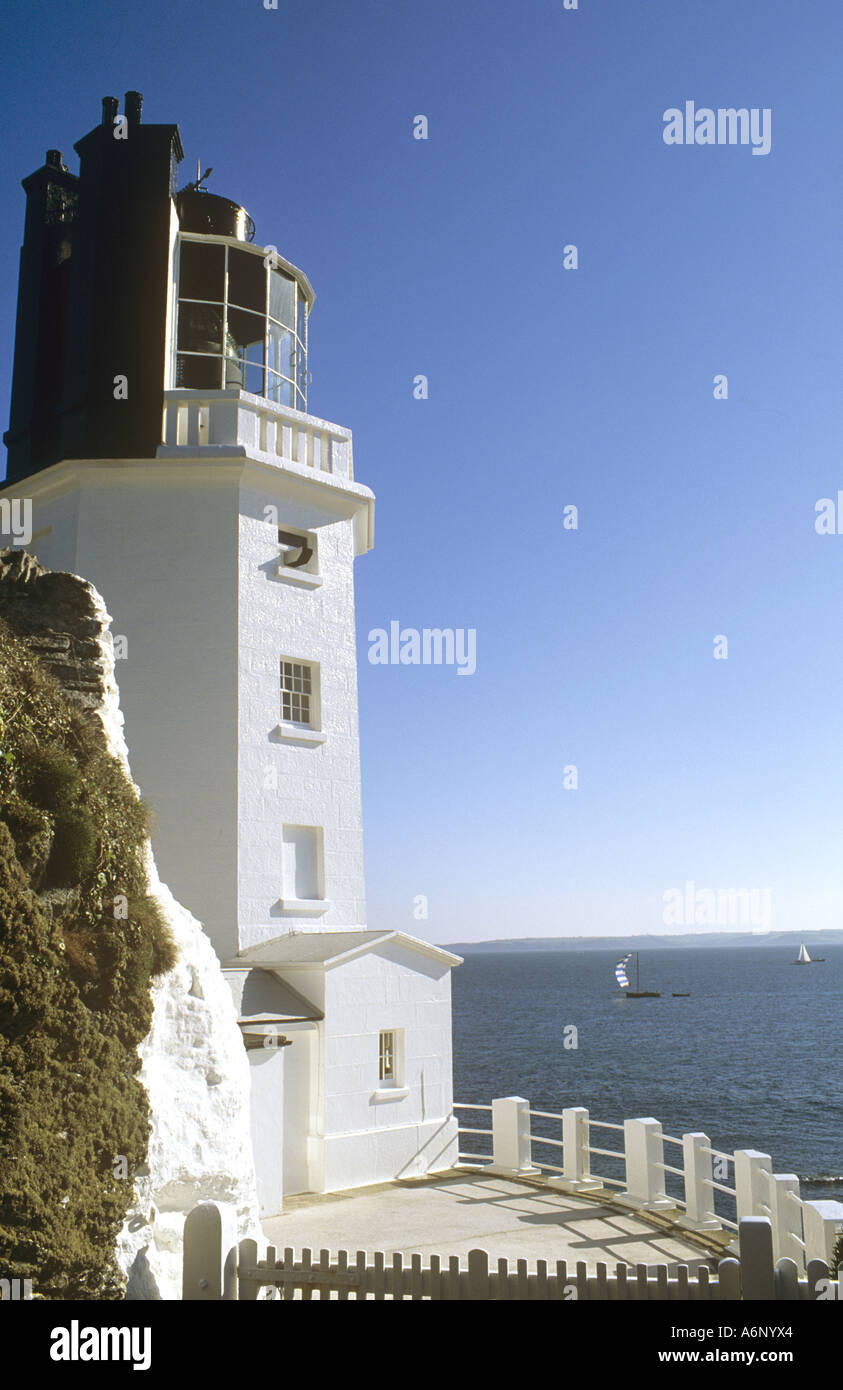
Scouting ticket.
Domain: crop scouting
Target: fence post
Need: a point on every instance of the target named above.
(699, 1173)
(247, 1259)
(786, 1216)
(511, 1149)
(729, 1279)
(478, 1275)
(822, 1222)
(758, 1280)
(786, 1280)
(644, 1152)
(576, 1159)
(753, 1171)
(209, 1269)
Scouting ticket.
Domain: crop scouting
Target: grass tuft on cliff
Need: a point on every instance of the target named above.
(80, 942)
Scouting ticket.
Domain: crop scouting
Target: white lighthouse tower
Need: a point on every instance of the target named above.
(159, 430)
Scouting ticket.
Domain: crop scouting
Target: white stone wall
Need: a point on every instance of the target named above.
(290, 783)
(161, 544)
(196, 1074)
(188, 559)
(369, 1137)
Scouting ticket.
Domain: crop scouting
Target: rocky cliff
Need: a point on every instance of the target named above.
(193, 1063)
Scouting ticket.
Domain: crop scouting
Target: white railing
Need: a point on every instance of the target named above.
(231, 419)
(801, 1231)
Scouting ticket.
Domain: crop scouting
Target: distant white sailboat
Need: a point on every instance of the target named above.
(804, 959)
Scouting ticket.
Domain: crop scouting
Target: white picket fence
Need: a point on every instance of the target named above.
(802, 1231)
(219, 1267)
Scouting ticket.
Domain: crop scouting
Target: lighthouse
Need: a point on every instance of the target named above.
(161, 442)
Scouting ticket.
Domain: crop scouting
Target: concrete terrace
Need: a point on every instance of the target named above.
(457, 1211)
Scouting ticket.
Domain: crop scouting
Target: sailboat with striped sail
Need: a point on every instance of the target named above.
(624, 982)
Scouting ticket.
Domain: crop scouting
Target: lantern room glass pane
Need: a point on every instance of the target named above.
(246, 332)
(254, 379)
(201, 271)
(280, 344)
(198, 373)
(246, 281)
(200, 327)
(278, 389)
(301, 325)
(235, 367)
(282, 298)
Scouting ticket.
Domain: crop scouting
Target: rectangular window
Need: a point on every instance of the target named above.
(387, 1056)
(302, 863)
(296, 692)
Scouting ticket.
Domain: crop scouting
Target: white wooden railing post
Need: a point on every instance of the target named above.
(822, 1222)
(786, 1216)
(209, 1269)
(752, 1183)
(644, 1152)
(511, 1147)
(576, 1159)
(699, 1174)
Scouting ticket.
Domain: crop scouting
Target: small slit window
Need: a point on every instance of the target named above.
(386, 1071)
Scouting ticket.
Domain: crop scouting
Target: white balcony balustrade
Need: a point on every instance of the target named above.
(233, 422)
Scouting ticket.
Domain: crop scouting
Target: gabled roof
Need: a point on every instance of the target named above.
(329, 948)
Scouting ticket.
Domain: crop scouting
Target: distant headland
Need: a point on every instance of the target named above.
(691, 940)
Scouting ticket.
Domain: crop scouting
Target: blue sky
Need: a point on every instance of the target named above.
(548, 387)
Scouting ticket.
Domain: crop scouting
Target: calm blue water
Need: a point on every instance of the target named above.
(754, 1057)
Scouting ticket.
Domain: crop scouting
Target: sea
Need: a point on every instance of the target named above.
(753, 1057)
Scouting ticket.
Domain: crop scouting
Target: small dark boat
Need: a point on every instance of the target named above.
(681, 994)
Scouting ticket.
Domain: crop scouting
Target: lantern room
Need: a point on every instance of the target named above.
(131, 288)
(241, 310)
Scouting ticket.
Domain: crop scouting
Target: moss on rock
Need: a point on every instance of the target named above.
(80, 941)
